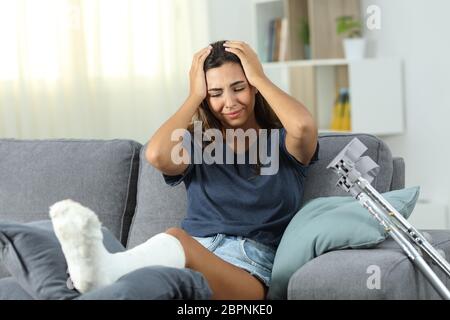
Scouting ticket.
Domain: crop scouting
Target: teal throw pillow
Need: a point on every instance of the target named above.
(331, 223)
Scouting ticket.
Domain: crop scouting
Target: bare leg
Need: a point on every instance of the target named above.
(226, 280)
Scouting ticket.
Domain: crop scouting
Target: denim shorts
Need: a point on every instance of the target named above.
(248, 254)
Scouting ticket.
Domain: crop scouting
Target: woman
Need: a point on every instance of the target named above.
(235, 82)
(236, 215)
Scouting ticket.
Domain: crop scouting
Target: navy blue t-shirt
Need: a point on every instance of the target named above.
(234, 200)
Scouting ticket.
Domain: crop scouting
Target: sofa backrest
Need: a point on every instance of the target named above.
(100, 174)
(321, 181)
(160, 206)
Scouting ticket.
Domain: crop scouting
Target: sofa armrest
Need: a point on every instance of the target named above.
(398, 174)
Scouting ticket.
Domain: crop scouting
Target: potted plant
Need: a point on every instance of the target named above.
(303, 33)
(354, 43)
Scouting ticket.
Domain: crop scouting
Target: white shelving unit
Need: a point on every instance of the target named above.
(375, 85)
(307, 63)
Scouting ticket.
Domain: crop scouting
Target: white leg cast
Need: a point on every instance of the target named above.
(90, 265)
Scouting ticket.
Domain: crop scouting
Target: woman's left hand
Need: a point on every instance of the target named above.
(252, 66)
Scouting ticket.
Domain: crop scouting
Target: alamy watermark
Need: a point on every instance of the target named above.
(374, 280)
(373, 21)
(213, 152)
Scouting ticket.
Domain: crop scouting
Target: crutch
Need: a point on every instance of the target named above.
(355, 174)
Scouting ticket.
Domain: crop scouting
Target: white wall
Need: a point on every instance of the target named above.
(418, 32)
(230, 20)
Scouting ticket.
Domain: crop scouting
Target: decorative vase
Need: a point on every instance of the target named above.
(354, 48)
(307, 51)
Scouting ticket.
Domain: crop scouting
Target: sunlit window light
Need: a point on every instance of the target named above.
(8, 44)
(40, 45)
(120, 37)
(145, 29)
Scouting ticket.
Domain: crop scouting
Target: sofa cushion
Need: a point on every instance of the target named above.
(101, 174)
(330, 223)
(321, 182)
(158, 206)
(384, 272)
(32, 254)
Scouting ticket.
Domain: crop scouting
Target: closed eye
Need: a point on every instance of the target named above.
(219, 94)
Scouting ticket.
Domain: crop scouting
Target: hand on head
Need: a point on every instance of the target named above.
(249, 59)
(197, 75)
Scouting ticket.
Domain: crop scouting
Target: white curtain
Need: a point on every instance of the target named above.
(101, 69)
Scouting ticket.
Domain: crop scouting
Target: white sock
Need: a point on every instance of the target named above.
(90, 265)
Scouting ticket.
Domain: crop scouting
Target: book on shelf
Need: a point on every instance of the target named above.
(277, 40)
(284, 39)
(341, 116)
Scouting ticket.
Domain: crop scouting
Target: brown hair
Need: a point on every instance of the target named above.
(265, 117)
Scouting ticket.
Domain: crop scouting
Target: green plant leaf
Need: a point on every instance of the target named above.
(348, 26)
(303, 31)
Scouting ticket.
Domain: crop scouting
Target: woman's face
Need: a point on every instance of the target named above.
(230, 97)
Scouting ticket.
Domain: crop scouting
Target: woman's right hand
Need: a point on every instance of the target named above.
(198, 88)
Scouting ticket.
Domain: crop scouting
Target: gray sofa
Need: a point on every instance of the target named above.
(133, 202)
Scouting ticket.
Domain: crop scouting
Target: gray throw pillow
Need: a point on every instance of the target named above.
(11, 290)
(32, 254)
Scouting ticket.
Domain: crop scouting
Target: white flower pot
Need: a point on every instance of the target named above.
(354, 48)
